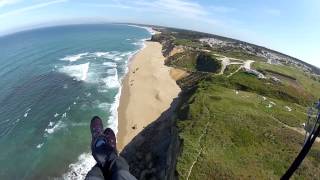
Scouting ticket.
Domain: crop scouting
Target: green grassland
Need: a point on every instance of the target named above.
(231, 69)
(247, 82)
(229, 131)
(238, 54)
(239, 127)
(187, 43)
(194, 61)
(310, 84)
(241, 137)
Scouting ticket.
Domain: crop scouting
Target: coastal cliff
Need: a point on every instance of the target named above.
(227, 122)
(154, 152)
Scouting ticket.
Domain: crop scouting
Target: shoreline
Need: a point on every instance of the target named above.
(85, 160)
(147, 90)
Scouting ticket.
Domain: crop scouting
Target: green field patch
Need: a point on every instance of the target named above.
(194, 61)
(243, 139)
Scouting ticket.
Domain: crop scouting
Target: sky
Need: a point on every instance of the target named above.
(288, 26)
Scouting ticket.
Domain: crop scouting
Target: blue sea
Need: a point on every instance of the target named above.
(52, 81)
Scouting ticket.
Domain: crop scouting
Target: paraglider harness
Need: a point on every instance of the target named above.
(312, 132)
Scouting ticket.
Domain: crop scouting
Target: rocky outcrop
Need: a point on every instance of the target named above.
(165, 41)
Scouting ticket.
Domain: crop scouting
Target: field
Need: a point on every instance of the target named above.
(243, 127)
(194, 61)
(230, 134)
(310, 84)
(231, 69)
(239, 126)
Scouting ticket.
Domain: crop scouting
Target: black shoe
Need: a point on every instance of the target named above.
(96, 127)
(111, 137)
(103, 145)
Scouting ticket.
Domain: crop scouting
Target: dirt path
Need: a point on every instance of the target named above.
(200, 150)
(226, 61)
(247, 64)
(298, 130)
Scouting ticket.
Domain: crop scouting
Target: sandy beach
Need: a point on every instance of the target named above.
(147, 90)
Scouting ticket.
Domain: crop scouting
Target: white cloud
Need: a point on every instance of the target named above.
(117, 5)
(7, 2)
(183, 9)
(222, 9)
(177, 7)
(30, 8)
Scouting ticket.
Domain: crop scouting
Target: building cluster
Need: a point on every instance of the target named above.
(271, 56)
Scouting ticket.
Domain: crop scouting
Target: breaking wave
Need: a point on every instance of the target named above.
(54, 127)
(79, 72)
(112, 81)
(80, 169)
(73, 58)
(85, 161)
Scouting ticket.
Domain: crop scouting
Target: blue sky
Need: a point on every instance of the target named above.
(289, 26)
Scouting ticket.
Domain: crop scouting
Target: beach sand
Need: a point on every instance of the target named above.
(147, 91)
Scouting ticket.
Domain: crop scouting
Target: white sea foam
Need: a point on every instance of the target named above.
(113, 119)
(112, 81)
(5, 121)
(100, 54)
(117, 58)
(85, 161)
(112, 71)
(110, 64)
(80, 169)
(56, 127)
(149, 29)
(108, 55)
(104, 106)
(56, 115)
(51, 124)
(39, 145)
(27, 112)
(64, 115)
(140, 43)
(75, 57)
(79, 72)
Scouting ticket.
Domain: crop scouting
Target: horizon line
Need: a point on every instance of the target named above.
(69, 23)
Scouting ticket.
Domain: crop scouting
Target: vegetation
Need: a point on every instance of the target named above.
(238, 54)
(236, 136)
(239, 127)
(195, 61)
(231, 69)
(187, 43)
(310, 85)
(247, 82)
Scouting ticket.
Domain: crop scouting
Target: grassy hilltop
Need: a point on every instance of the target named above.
(233, 125)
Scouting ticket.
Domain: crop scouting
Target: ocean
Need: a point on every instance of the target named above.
(52, 82)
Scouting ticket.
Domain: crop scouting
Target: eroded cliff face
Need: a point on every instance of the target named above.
(153, 153)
